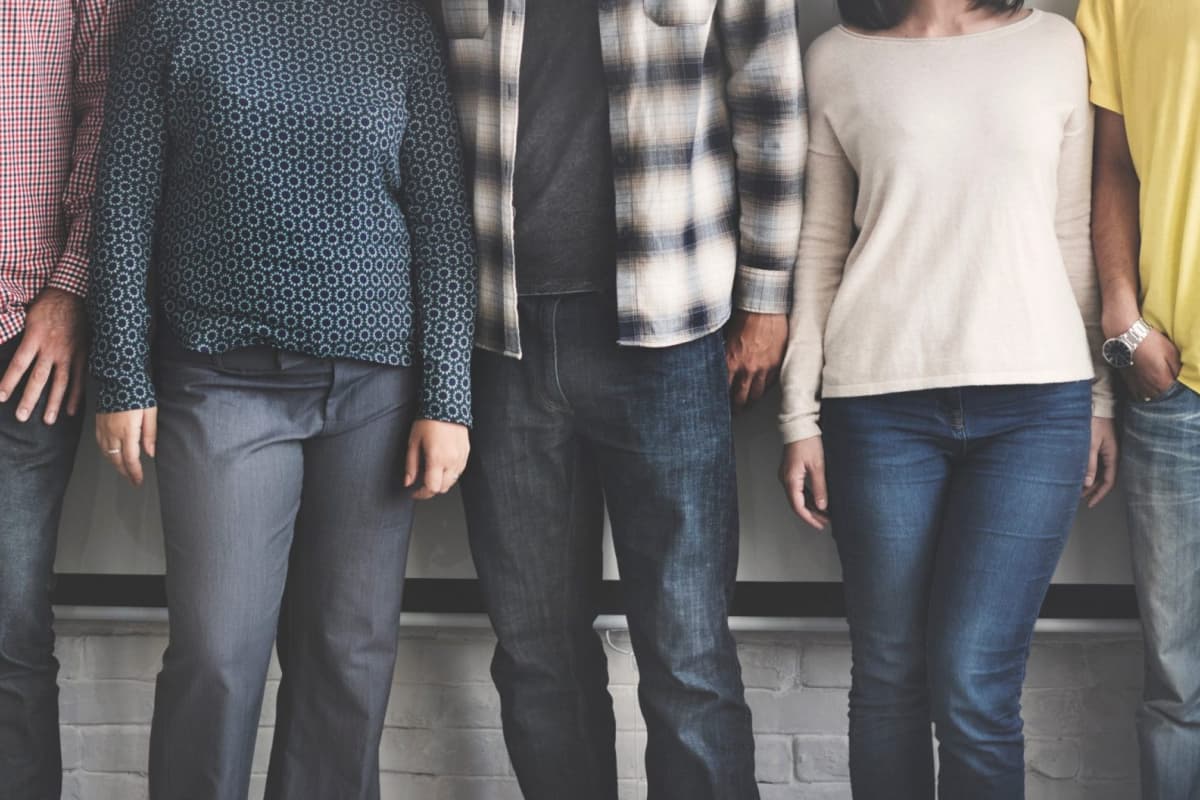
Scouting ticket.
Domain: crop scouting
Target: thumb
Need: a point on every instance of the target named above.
(820, 491)
(150, 431)
(412, 460)
(1093, 461)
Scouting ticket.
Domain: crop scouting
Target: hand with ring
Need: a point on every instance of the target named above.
(437, 455)
(123, 436)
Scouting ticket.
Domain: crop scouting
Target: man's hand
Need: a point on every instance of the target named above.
(1102, 463)
(1156, 365)
(437, 454)
(754, 345)
(802, 474)
(122, 437)
(51, 352)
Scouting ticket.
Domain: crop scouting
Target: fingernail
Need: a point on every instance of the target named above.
(50, 418)
(822, 503)
(3, 396)
(23, 414)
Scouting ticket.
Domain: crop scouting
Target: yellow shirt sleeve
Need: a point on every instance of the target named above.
(1097, 21)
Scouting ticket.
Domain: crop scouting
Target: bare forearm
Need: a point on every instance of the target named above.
(1116, 224)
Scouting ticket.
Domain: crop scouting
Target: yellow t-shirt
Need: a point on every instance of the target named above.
(1144, 57)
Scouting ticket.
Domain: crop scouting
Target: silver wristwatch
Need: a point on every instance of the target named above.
(1118, 351)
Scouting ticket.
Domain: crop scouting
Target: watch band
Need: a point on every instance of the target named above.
(1137, 333)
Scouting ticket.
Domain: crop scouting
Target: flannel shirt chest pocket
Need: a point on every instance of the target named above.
(680, 12)
(465, 19)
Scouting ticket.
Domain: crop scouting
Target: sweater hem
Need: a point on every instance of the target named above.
(833, 392)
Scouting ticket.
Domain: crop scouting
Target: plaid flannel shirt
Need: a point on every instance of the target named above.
(709, 135)
(53, 72)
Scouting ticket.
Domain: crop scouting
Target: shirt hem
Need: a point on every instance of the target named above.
(677, 338)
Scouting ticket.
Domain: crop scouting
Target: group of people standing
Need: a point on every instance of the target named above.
(329, 249)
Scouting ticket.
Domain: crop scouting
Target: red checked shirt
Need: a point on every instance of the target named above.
(53, 73)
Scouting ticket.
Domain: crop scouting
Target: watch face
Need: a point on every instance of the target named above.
(1118, 354)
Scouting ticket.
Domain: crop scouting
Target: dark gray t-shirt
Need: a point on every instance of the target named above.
(563, 187)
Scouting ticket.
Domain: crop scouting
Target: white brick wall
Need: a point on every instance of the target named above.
(443, 739)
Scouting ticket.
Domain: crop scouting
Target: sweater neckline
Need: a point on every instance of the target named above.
(1000, 30)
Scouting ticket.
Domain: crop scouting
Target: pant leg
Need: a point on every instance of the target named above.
(35, 465)
(1161, 471)
(340, 624)
(535, 516)
(1012, 501)
(230, 467)
(888, 468)
(659, 423)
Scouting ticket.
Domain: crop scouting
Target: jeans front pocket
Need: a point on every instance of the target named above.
(680, 12)
(1169, 393)
(465, 19)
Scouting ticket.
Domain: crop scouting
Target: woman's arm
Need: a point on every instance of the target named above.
(1074, 227)
(132, 150)
(1073, 224)
(825, 241)
(434, 199)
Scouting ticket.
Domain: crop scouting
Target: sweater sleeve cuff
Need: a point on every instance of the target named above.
(1104, 406)
(762, 291)
(445, 394)
(1104, 400)
(116, 396)
(800, 428)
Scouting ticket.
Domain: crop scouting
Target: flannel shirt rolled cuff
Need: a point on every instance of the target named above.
(70, 274)
(795, 430)
(762, 291)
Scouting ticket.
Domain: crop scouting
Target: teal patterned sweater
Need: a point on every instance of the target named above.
(287, 173)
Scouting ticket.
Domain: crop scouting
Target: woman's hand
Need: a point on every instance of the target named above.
(804, 466)
(122, 437)
(437, 454)
(1102, 464)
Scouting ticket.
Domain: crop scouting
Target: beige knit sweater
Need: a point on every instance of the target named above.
(946, 238)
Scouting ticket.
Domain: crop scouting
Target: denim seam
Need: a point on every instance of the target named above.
(554, 353)
(572, 499)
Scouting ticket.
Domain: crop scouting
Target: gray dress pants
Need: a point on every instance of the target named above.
(285, 522)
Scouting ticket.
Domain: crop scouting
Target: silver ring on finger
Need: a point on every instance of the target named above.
(115, 452)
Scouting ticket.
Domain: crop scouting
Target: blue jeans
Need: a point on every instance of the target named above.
(1162, 476)
(951, 509)
(577, 422)
(35, 465)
